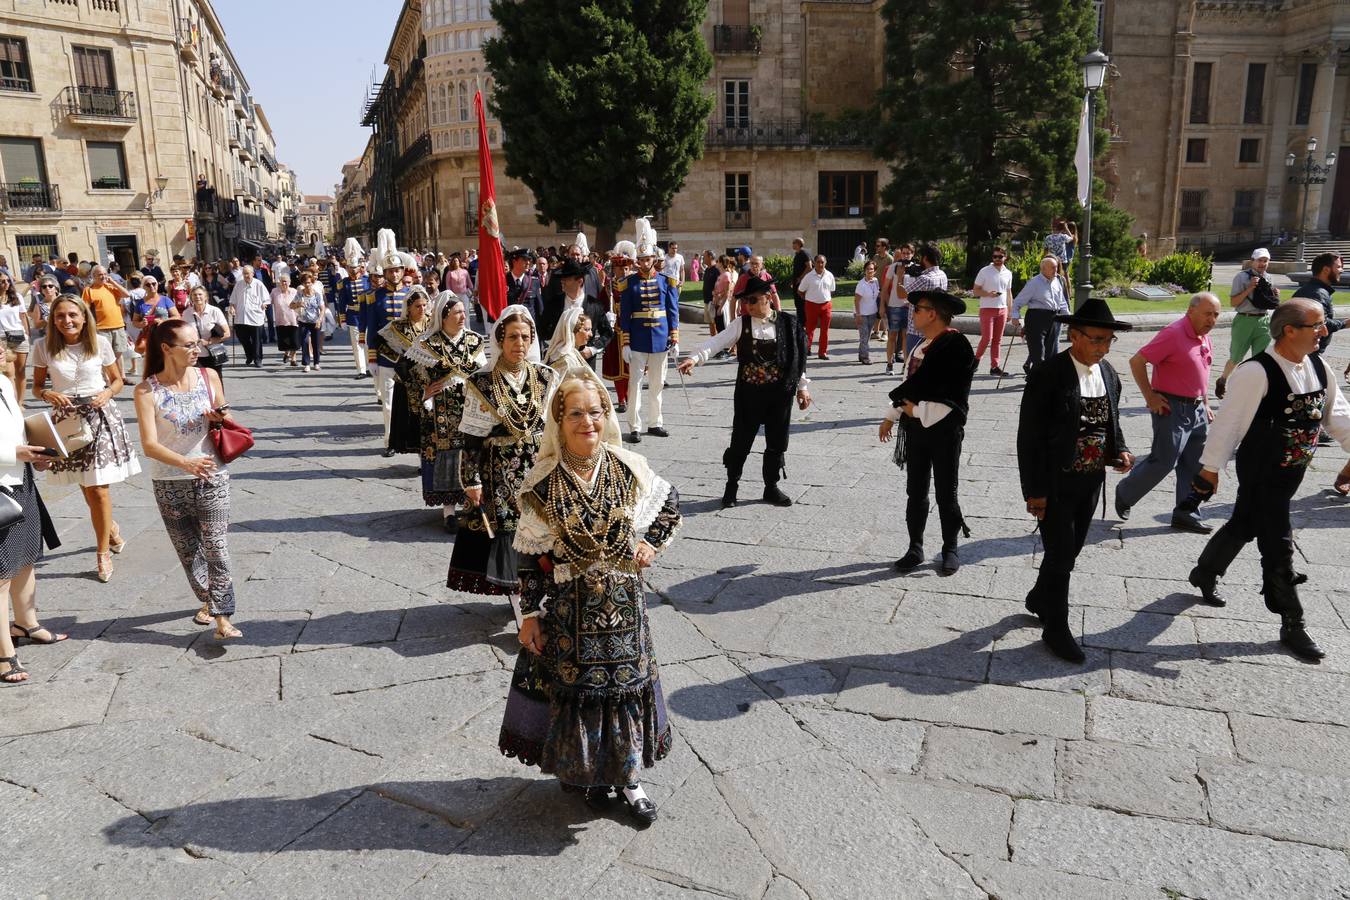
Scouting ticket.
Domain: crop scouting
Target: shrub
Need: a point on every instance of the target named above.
(780, 267)
(1191, 271)
(1025, 264)
(953, 258)
(855, 269)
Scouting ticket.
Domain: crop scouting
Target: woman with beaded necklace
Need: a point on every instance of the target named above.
(405, 419)
(503, 419)
(439, 362)
(585, 701)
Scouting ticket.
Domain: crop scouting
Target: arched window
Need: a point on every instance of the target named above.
(464, 101)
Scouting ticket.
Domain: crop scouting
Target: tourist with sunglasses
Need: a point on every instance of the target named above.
(993, 285)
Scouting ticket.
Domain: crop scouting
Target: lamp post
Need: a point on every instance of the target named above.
(1308, 174)
(1094, 76)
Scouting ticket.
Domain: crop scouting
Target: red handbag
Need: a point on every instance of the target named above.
(231, 439)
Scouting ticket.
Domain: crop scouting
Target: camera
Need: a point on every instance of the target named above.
(913, 268)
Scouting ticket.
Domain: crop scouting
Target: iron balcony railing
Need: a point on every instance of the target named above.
(97, 102)
(417, 151)
(736, 39)
(29, 196)
(16, 83)
(738, 219)
(784, 133)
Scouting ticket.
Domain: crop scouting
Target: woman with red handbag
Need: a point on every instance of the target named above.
(178, 405)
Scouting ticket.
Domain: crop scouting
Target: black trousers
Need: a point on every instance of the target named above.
(1068, 515)
(933, 453)
(251, 339)
(1261, 511)
(756, 406)
(1042, 334)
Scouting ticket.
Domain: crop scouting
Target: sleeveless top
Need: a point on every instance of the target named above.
(1283, 435)
(181, 426)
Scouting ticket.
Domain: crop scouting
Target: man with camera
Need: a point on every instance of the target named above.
(897, 308)
(1254, 297)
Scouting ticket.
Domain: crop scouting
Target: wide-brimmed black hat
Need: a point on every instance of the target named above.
(754, 286)
(941, 300)
(570, 269)
(1094, 313)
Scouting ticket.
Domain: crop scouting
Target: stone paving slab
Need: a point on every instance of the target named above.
(840, 730)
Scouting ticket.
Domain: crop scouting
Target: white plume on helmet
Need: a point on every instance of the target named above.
(352, 252)
(625, 249)
(387, 255)
(646, 237)
(582, 244)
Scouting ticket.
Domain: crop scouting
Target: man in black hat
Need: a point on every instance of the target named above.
(771, 353)
(571, 276)
(931, 406)
(1069, 432)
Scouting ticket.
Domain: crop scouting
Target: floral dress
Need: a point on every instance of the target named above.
(435, 358)
(502, 421)
(590, 709)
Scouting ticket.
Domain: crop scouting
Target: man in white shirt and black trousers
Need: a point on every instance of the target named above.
(1068, 433)
(1276, 404)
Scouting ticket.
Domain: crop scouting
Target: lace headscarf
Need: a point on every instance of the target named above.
(561, 345)
(421, 352)
(495, 353)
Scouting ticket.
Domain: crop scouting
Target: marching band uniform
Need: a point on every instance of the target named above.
(614, 365)
(649, 314)
(771, 357)
(1068, 433)
(350, 294)
(938, 385)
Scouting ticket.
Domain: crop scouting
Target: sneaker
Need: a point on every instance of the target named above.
(304, 369)
(316, 367)
(890, 369)
(864, 361)
(995, 370)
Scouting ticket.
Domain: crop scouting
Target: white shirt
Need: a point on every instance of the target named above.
(193, 281)
(867, 297)
(998, 279)
(674, 267)
(1090, 382)
(817, 288)
(928, 412)
(12, 317)
(11, 436)
(1247, 388)
(760, 330)
(897, 275)
(249, 300)
(73, 372)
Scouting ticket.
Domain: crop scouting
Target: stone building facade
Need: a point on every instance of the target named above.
(116, 138)
(778, 161)
(1208, 98)
(314, 219)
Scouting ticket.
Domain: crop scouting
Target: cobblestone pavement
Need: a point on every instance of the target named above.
(842, 731)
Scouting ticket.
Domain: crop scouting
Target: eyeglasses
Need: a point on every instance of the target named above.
(999, 256)
(1314, 326)
(576, 416)
(194, 347)
(923, 306)
(1098, 341)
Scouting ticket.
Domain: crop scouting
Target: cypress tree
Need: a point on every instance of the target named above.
(980, 108)
(603, 103)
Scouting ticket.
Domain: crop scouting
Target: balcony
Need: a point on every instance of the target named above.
(207, 203)
(736, 38)
(245, 150)
(417, 151)
(84, 105)
(228, 85)
(785, 133)
(239, 110)
(269, 162)
(189, 41)
(738, 219)
(29, 198)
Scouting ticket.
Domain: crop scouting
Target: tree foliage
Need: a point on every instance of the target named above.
(981, 102)
(603, 103)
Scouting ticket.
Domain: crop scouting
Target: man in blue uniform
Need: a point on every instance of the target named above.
(380, 308)
(649, 313)
(351, 293)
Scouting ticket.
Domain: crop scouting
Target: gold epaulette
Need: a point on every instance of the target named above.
(621, 285)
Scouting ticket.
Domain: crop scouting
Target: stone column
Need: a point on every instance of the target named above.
(1337, 114)
(1277, 144)
(1326, 129)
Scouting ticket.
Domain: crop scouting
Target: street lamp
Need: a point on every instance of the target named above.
(1094, 66)
(161, 182)
(1308, 174)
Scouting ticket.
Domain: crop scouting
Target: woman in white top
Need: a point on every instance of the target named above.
(21, 544)
(866, 306)
(283, 319)
(212, 329)
(176, 405)
(85, 378)
(14, 324)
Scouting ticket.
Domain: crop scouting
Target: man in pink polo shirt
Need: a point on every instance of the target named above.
(1178, 398)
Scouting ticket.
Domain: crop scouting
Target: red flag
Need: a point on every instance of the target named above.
(491, 263)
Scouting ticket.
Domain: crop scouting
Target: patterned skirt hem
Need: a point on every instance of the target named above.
(442, 498)
(474, 583)
(96, 477)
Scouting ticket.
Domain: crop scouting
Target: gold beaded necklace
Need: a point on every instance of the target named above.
(519, 410)
(593, 527)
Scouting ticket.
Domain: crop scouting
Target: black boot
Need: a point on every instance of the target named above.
(1294, 636)
(951, 562)
(912, 559)
(773, 471)
(1208, 584)
(1061, 643)
(729, 495)
(734, 467)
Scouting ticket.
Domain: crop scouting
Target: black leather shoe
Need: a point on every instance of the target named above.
(643, 812)
(450, 524)
(1208, 586)
(368, 375)
(1300, 643)
(621, 408)
(1031, 605)
(1194, 526)
(1061, 643)
(658, 431)
(388, 452)
(951, 562)
(912, 559)
(1122, 511)
(358, 376)
(1220, 387)
(773, 495)
(597, 798)
(633, 437)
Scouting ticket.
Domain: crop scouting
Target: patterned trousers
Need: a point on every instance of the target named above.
(196, 514)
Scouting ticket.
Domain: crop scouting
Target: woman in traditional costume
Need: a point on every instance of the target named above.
(405, 418)
(437, 363)
(586, 702)
(571, 339)
(504, 404)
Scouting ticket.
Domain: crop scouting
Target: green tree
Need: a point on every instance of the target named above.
(603, 103)
(981, 103)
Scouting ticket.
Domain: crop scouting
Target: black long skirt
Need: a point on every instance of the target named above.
(405, 426)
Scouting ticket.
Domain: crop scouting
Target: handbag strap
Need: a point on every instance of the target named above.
(210, 394)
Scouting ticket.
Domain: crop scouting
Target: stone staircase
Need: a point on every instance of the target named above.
(1288, 251)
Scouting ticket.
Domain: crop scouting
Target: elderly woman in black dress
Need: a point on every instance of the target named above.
(586, 701)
